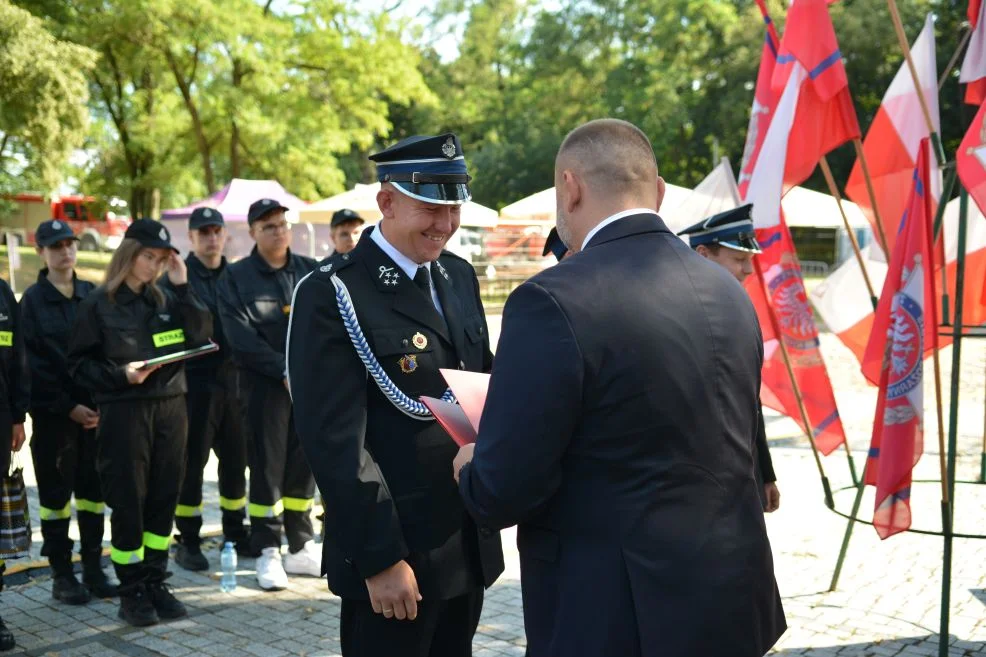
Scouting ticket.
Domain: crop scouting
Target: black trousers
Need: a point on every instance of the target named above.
(443, 628)
(140, 459)
(215, 422)
(282, 488)
(64, 456)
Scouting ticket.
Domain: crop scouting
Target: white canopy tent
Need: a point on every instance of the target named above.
(539, 208)
(683, 207)
(362, 199)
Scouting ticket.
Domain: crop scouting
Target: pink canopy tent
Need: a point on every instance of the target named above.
(234, 199)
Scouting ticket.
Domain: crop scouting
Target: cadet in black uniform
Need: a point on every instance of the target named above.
(214, 411)
(254, 304)
(398, 542)
(729, 240)
(345, 230)
(142, 420)
(15, 395)
(64, 419)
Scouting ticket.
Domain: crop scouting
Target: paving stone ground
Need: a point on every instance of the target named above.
(887, 602)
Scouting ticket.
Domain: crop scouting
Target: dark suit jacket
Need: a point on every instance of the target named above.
(618, 434)
(387, 478)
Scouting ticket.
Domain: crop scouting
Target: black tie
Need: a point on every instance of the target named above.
(423, 280)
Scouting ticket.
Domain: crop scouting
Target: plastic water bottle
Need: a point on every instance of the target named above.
(228, 560)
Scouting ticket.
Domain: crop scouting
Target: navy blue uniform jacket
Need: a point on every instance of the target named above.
(618, 435)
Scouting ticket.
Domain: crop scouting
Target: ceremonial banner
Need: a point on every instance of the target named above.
(764, 102)
(892, 141)
(809, 86)
(970, 161)
(973, 72)
(904, 329)
(825, 117)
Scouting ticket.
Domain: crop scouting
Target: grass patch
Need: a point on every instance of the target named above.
(90, 266)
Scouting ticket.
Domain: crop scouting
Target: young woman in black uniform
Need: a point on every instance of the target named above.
(15, 393)
(63, 439)
(142, 420)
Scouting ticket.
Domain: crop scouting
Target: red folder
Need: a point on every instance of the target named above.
(453, 419)
(461, 421)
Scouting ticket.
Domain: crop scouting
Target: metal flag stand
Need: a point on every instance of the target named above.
(958, 332)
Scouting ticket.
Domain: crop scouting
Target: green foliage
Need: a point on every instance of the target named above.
(43, 95)
(187, 94)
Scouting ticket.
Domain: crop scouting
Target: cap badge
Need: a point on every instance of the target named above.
(57, 225)
(207, 212)
(163, 234)
(388, 275)
(267, 201)
(448, 148)
(419, 341)
(325, 269)
(408, 363)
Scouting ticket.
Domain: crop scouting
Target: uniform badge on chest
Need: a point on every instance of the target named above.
(409, 364)
(419, 341)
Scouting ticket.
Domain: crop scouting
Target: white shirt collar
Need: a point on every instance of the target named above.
(408, 266)
(608, 220)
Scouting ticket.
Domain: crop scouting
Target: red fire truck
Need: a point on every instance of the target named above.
(98, 228)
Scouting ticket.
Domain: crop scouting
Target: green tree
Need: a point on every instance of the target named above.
(43, 95)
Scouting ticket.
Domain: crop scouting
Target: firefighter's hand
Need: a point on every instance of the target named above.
(137, 376)
(394, 592)
(177, 271)
(88, 418)
(773, 495)
(18, 434)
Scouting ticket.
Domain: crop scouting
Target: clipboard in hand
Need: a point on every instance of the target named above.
(178, 356)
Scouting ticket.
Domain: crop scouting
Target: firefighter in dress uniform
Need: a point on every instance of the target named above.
(142, 420)
(729, 240)
(64, 420)
(369, 331)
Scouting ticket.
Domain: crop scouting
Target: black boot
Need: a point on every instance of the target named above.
(188, 554)
(164, 601)
(6, 638)
(94, 578)
(64, 586)
(136, 607)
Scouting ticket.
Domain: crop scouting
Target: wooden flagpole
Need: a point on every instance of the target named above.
(833, 188)
(871, 192)
(775, 324)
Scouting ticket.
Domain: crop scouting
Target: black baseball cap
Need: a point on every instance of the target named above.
(202, 217)
(151, 234)
(260, 209)
(345, 216)
(53, 231)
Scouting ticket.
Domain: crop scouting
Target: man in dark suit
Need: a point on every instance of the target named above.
(369, 331)
(618, 430)
(729, 240)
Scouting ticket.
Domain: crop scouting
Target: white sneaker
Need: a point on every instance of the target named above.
(306, 561)
(270, 571)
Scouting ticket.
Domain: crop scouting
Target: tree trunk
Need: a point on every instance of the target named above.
(205, 151)
(234, 136)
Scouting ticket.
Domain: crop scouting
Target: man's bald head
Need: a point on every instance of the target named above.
(613, 156)
(603, 167)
